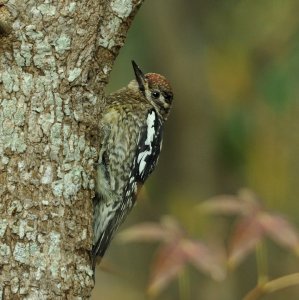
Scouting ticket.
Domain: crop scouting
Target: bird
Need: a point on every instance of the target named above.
(132, 125)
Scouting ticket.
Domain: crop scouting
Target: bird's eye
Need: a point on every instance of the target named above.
(155, 94)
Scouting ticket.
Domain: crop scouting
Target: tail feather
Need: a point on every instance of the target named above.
(108, 216)
(102, 229)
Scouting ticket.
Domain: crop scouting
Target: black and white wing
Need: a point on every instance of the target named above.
(148, 149)
(110, 212)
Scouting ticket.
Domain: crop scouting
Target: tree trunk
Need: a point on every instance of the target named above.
(55, 59)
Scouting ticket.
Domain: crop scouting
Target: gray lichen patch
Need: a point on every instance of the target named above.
(74, 73)
(46, 121)
(70, 183)
(36, 131)
(56, 140)
(73, 147)
(8, 108)
(12, 115)
(54, 253)
(10, 80)
(29, 254)
(72, 7)
(122, 8)
(19, 116)
(4, 159)
(62, 43)
(47, 9)
(108, 33)
(73, 182)
(16, 142)
(43, 59)
(23, 54)
(27, 84)
(47, 176)
(23, 229)
(58, 105)
(21, 253)
(4, 254)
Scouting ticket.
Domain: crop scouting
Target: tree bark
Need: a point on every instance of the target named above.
(55, 59)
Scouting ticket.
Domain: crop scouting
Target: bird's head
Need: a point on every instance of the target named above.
(156, 90)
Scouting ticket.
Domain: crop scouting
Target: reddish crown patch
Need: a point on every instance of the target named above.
(159, 80)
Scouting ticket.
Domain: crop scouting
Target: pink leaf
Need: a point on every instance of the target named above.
(248, 233)
(280, 230)
(224, 204)
(204, 259)
(230, 205)
(168, 263)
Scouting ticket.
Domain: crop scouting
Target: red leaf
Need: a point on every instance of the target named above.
(168, 263)
(248, 233)
(204, 259)
(280, 230)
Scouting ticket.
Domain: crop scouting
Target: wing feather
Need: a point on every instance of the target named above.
(127, 163)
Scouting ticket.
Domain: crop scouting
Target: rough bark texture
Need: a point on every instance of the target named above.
(55, 59)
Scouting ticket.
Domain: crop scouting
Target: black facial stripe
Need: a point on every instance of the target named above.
(168, 96)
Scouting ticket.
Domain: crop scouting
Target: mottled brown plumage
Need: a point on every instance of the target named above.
(132, 125)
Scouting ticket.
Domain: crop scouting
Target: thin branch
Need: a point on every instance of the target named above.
(273, 286)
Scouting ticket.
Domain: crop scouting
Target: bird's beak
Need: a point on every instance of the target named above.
(139, 76)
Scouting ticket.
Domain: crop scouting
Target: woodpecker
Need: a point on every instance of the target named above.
(132, 125)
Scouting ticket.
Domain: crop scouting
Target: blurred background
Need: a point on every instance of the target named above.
(234, 69)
